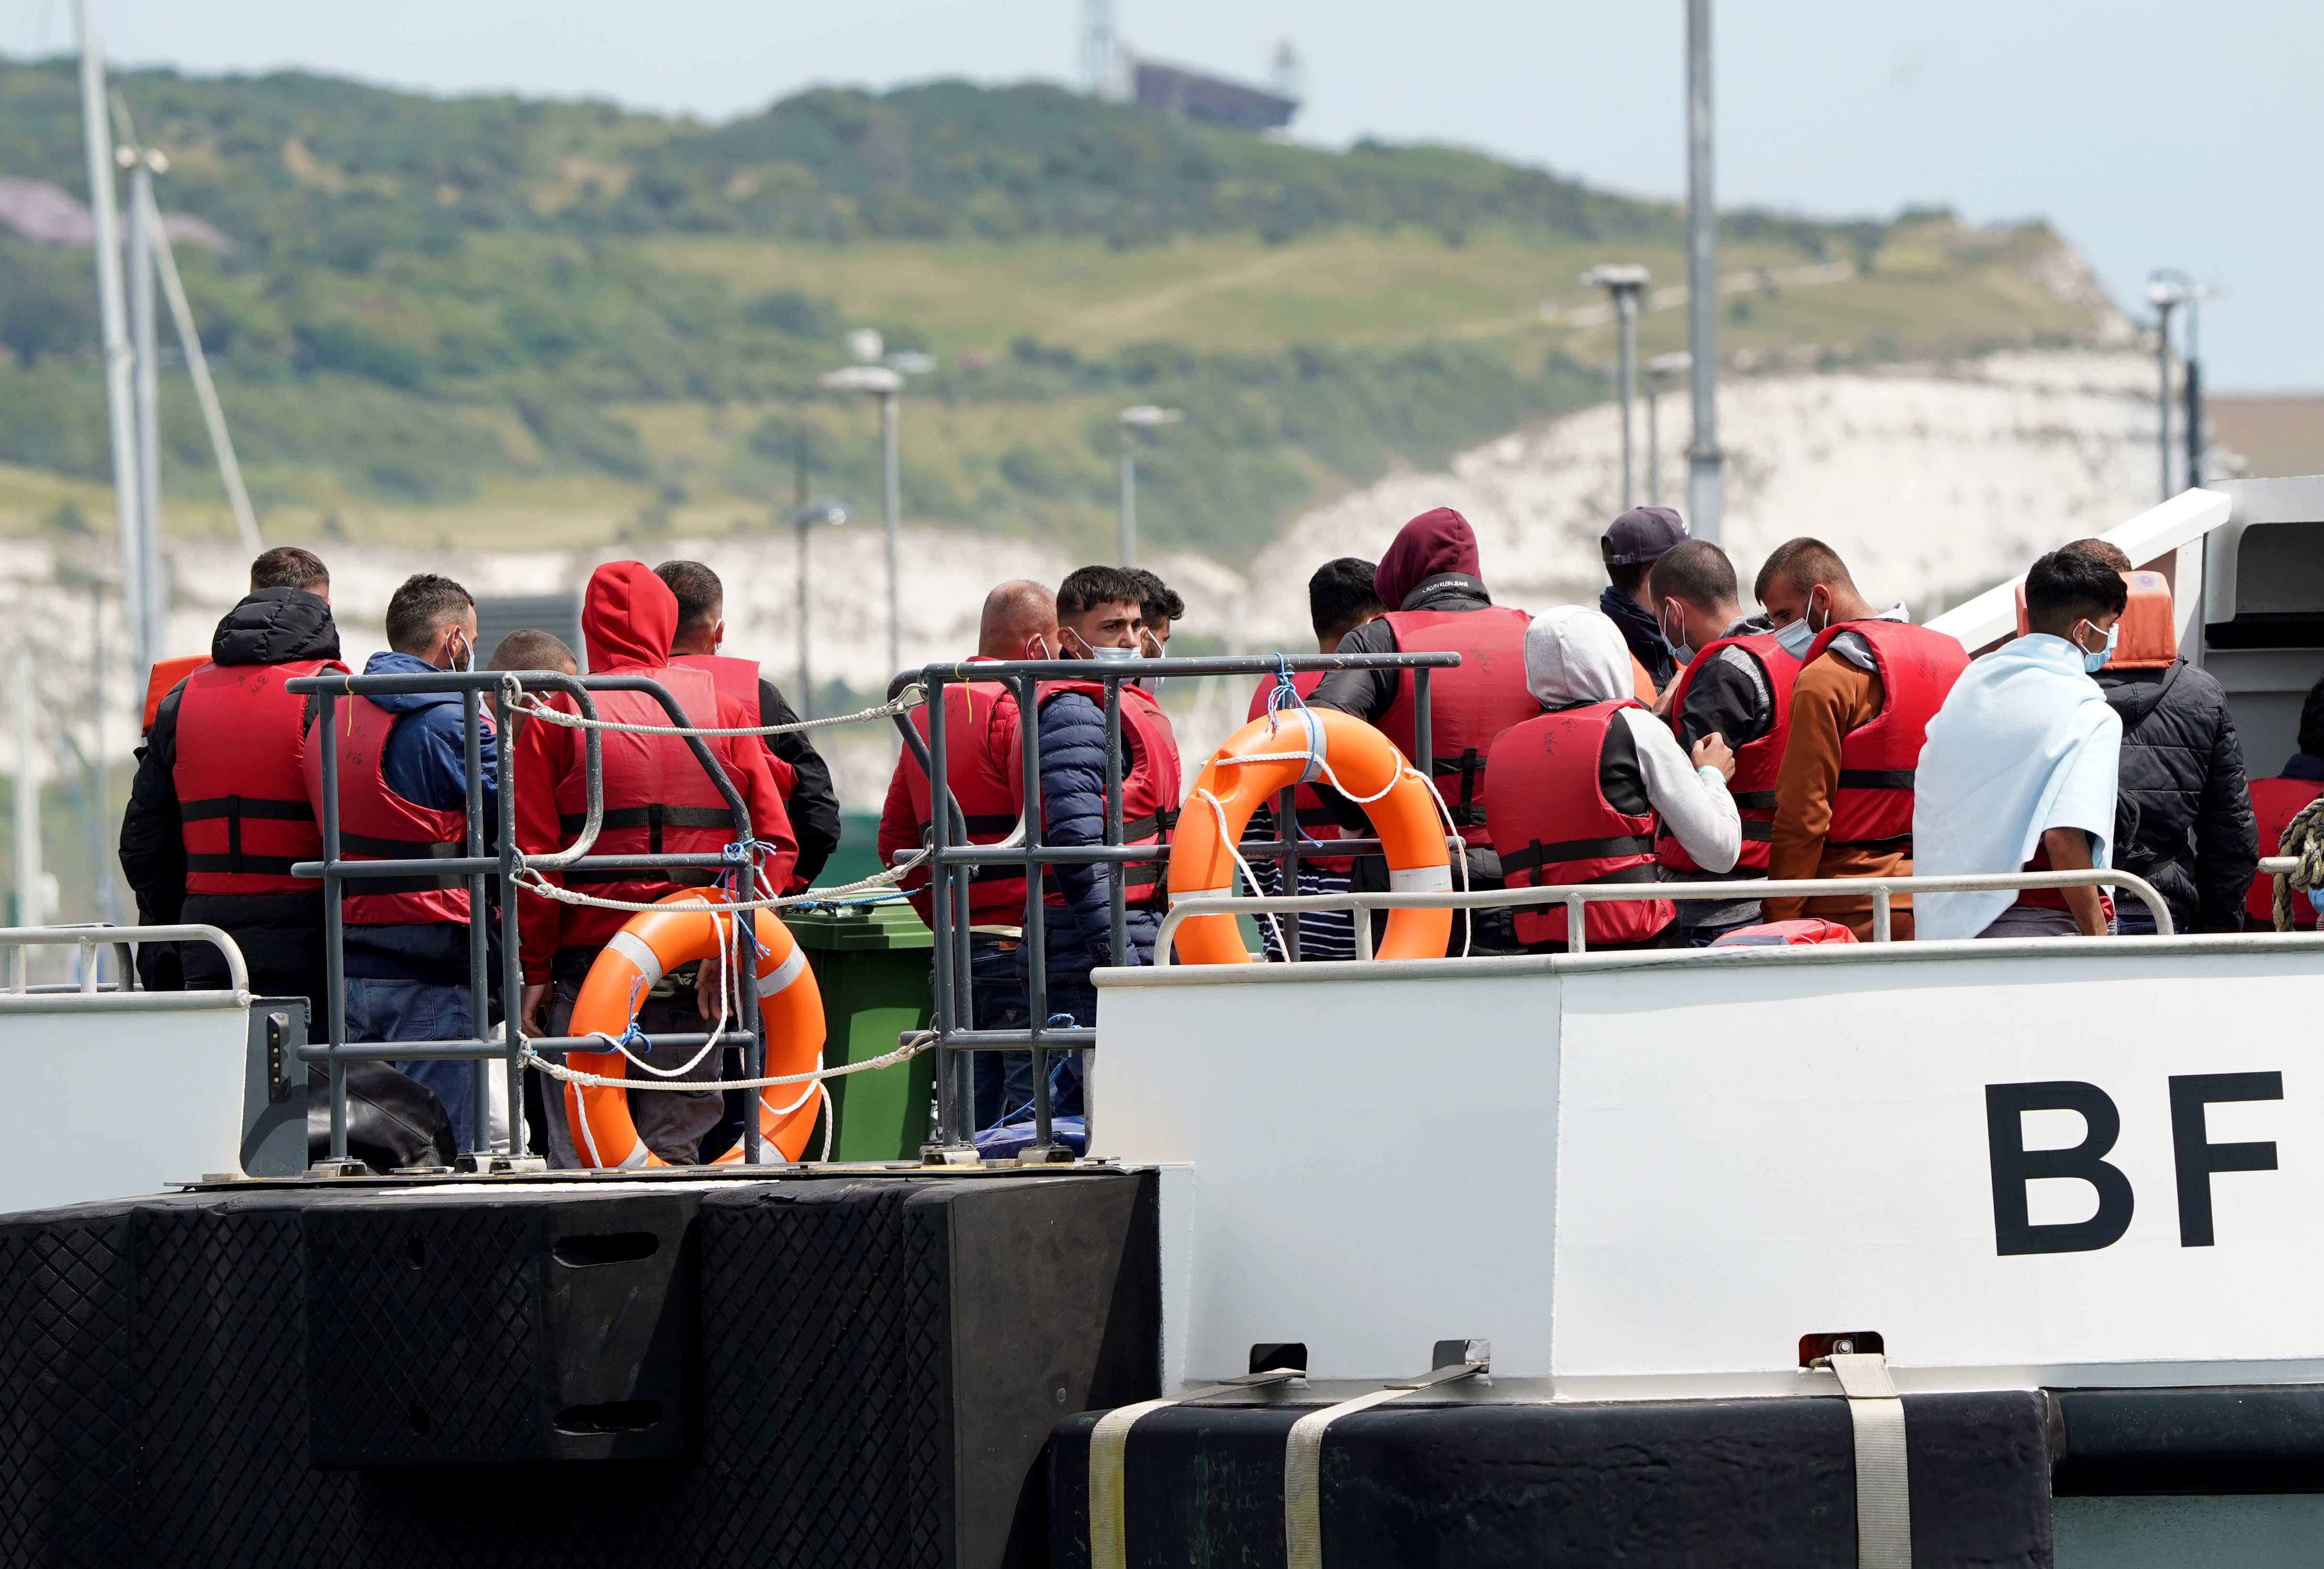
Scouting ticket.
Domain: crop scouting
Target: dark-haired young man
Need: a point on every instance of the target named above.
(217, 814)
(1159, 607)
(1869, 682)
(2018, 769)
(2186, 808)
(1630, 546)
(1099, 619)
(805, 779)
(1341, 598)
(1736, 684)
(404, 795)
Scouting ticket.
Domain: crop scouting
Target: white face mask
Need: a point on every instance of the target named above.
(1111, 656)
(1683, 652)
(1795, 636)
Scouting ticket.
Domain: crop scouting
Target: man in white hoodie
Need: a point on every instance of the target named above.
(1573, 796)
(2018, 769)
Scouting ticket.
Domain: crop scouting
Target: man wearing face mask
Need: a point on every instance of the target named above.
(403, 794)
(1098, 613)
(2019, 768)
(1736, 685)
(1869, 682)
(982, 760)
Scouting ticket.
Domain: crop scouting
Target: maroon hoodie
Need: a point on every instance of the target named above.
(1434, 543)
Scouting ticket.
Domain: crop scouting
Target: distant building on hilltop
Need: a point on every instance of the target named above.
(48, 215)
(1214, 100)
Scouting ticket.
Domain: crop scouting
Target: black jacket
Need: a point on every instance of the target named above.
(2182, 781)
(280, 933)
(814, 804)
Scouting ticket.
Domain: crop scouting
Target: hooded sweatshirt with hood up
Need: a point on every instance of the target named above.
(628, 618)
(1431, 565)
(280, 933)
(1575, 656)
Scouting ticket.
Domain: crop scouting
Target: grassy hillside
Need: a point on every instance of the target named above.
(505, 322)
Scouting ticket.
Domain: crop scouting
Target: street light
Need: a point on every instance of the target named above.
(2168, 289)
(821, 509)
(1623, 285)
(1659, 370)
(1140, 417)
(1705, 474)
(881, 383)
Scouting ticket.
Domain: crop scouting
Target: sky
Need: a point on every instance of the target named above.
(2152, 135)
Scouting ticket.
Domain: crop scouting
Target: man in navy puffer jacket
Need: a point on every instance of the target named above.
(410, 981)
(1098, 611)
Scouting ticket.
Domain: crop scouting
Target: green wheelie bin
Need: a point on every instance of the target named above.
(870, 963)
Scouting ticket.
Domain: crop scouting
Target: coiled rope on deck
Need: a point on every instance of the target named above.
(2303, 839)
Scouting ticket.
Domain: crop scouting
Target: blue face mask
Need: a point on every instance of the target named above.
(2095, 662)
(1795, 636)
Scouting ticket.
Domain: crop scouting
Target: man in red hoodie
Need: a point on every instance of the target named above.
(657, 798)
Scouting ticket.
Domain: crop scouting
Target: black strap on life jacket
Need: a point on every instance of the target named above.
(1894, 841)
(234, 809)
(1754, 800)
(1537, 855)
(364, 845)
(1876, 779)
(653, 817)
(1467, 813)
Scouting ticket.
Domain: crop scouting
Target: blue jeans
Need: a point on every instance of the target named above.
(421, 1011)
(1003, 1079)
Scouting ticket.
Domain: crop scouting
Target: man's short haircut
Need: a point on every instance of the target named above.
(1157, 600)
(1802, 563)
(289, 567)
(1697, 573)
(1341, 595)
(701, 598)
(421, 609)
(2066, 586)
(528, 648)
(1085, 587)
(2311, 729)
(2113, 556)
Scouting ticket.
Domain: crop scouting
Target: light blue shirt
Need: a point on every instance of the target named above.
(2026, 742)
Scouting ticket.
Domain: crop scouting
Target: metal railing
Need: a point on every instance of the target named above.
(953, 858)
(1577, 897)
(493, 856)
(123, 994)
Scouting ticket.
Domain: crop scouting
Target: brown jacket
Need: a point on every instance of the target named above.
(1831, 697)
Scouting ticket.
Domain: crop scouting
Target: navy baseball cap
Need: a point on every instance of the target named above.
(1641, 535)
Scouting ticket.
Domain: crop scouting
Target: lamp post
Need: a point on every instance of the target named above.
(881, 383)
(821, 509)
(1623, 285)
(1705, 478)
(1659, 369)
(2167, 289)
(1140, 417)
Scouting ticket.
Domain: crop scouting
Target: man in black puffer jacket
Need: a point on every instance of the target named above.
(218, 812)
(2184, 820)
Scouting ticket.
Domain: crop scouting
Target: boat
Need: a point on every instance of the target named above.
(1936, 1253)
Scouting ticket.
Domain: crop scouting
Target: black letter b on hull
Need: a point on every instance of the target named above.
(2015, 1166)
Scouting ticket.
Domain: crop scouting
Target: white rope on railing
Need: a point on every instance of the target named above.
(535, 883)
(911, 697)
(905, 1052)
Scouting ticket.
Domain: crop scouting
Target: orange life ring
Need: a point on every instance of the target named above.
(683, 927)
(1300, 744)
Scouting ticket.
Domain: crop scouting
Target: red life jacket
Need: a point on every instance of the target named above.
(657, 799)
(1754, 784)
(1315, 821)
(1872, 809)
(2274, 803)
(988, 801)
(1551, 823)
(243, 811)
(1468, 706)
(1149, 791)
(739, 680)
(375, 823)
